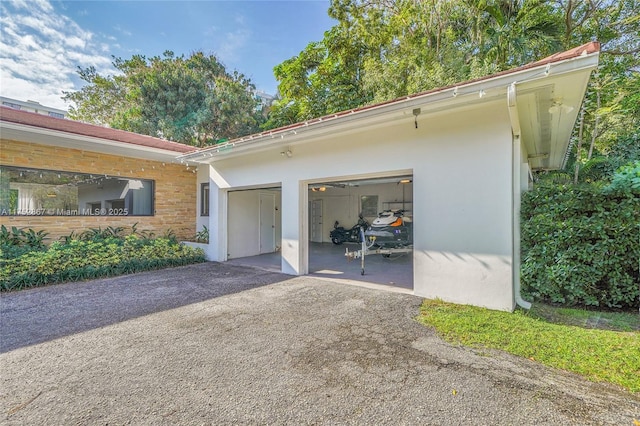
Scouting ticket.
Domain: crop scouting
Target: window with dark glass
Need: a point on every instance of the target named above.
(30, 192)
(204, 199)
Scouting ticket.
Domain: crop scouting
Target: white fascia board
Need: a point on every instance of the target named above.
(444, 99)
(25, 133)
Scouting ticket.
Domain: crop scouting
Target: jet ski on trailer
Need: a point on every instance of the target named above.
(391, 229)
(390, 233)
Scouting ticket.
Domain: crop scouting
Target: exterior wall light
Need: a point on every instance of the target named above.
(416, 113)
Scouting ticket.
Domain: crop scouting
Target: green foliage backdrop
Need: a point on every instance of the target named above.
(581, 246)
(380, 50)
(193, 100)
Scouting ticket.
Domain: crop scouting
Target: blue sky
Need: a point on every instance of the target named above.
(43, 42)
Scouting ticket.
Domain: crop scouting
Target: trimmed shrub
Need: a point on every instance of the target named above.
(581, 246)
(78, 260)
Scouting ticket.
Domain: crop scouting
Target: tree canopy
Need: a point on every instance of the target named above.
(191, 100)
(380, 50)
(384, 49)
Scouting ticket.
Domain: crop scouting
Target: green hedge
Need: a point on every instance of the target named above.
(77, 260)
(581, 246)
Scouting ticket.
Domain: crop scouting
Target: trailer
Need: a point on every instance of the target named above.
(369, 248)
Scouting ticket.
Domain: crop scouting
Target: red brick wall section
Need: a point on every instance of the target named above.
(175, 189)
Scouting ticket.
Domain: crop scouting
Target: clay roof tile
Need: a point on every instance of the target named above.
(76, 127)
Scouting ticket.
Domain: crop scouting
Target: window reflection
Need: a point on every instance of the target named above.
(28, 192)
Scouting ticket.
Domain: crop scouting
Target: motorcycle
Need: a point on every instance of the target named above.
(390, 229)
(341, 235)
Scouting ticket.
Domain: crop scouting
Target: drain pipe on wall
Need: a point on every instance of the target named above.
(515, 192)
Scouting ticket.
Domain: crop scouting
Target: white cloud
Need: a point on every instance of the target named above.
(40, 51)
(228, 50)
(122, 31)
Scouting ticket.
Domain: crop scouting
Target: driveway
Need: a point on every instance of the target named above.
(222, 344)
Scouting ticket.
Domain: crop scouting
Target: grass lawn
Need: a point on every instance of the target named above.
(617, 321)
(556, 337)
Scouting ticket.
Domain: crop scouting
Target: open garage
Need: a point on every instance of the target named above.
(337, 212)
(337, 208)
(468, 151)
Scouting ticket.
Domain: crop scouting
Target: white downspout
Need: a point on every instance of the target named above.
(515, 189)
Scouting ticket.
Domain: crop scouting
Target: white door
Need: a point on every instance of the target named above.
(242, 224)
(267, 223)
(315, 219)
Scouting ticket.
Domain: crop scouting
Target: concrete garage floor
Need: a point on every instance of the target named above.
(327, 260)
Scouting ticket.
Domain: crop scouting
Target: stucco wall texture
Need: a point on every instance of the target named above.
(175, 189)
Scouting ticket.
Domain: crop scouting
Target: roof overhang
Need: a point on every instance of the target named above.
(549, 96)
(547, 111)
(38, 135)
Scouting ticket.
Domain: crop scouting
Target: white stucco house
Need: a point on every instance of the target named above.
(456, 159)
(467, 150)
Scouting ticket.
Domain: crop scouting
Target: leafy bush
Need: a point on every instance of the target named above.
(202, 236)
(99, 234)
(580, 246)
(77, 259)
(15, 242)
(22, 237)
(626, 179)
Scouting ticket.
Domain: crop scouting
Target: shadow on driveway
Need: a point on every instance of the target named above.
(37, 315)
(300, 351)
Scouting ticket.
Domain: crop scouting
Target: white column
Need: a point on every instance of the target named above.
(295, 239)
(217, 217)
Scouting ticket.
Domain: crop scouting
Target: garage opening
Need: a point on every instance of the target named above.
(254, 231)
(383, 207)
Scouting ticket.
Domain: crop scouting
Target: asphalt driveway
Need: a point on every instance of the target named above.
(223, 344)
